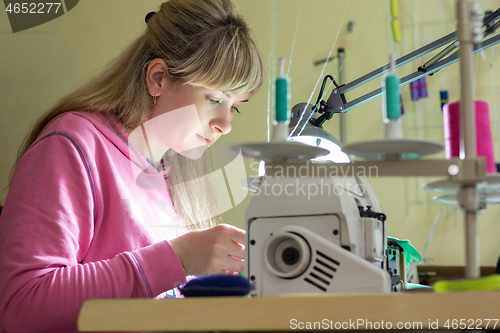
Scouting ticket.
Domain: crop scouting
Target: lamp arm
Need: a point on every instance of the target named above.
(415, 75)
(488, 23)
(336, 103)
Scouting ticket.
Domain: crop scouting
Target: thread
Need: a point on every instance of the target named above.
(351, 50)
(414, 91)
(396, 31)
(443, 95)
(392, 97)
(418, 89)
(484, 142)
(396, 28)
(394, 8)
(272, 43)
(294, 38)
(282, 94)
(422, 87)
(423, 252)
(320, 76)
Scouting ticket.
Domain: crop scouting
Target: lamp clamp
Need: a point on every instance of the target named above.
(336, 102)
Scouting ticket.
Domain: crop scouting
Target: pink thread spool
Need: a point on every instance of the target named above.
(451, 121)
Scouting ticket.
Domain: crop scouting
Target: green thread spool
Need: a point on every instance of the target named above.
(393, 100)
(282, 94)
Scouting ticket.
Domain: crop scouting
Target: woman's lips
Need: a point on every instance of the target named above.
(207, 141)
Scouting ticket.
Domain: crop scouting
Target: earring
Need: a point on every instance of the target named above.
(154, 100)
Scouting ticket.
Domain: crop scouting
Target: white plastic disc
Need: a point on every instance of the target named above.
(278, 151)
(445, 186)
(450, 199)
(393, 149)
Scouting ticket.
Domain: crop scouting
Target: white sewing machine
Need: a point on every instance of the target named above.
(330, 242)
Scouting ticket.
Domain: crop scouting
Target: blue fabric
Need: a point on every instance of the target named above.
(216, 285)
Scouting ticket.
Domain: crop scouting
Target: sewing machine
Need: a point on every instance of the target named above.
(315, 235)
(336, 242)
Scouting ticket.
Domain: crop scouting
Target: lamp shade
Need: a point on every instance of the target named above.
(314, 135)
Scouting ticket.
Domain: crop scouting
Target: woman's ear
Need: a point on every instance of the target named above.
(156, 76)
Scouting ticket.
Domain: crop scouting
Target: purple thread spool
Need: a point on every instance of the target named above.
(422, 87)
(402, 106)
(415, 93)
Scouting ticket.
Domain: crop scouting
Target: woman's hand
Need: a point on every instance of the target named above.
(211, 251)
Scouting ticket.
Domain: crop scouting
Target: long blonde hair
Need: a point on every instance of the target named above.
(203, 42)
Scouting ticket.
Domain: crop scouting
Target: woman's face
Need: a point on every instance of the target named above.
(189, 118)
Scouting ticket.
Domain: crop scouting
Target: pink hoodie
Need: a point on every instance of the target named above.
(76, 226)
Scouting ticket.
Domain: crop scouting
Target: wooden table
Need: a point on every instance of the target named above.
(348, 311)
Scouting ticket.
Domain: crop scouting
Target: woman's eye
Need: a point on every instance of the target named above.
(213, 101)
(235, 109)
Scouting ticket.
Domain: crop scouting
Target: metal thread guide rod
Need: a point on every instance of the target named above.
(342, 119)
(469, 15)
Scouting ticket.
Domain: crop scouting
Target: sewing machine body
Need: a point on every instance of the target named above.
(298, 242)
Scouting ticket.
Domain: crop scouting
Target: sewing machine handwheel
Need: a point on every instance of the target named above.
(286, 254)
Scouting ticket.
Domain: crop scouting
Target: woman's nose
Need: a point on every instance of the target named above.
(221, 124)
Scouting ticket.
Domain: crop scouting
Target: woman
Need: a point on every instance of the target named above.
(77, 221)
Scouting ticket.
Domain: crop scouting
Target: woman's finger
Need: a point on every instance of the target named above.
(234, 264)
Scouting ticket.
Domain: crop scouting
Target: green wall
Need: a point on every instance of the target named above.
(40, 65)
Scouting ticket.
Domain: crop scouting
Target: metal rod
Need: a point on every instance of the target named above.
(467, 114)
(450, 48)
(469, 171)
(472, 259)
(322, 61)
(468, 135)
(453, 46)
(417, 75)
(492, 17)
(399, 62)
(340, 81)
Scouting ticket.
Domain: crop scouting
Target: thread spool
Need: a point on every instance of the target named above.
(396, 31)
(422, 87)
(282, 94)
(414, 90)
(392, 127)
(282, 116)
(451, 121)
(394, 8)
(393, 101)
(443, 94)
(396, 28)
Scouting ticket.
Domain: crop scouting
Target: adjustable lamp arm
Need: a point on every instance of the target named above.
(337, 103)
